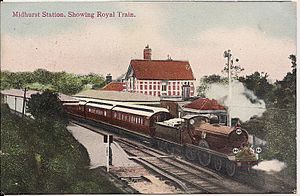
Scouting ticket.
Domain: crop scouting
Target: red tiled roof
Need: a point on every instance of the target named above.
(205, 104)
(162, 70)
(114, 86)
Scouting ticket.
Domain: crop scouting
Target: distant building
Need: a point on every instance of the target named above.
(162, 78)
(203, 106)
(115, 86)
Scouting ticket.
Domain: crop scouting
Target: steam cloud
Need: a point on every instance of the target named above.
(244, 104)
(270, 166)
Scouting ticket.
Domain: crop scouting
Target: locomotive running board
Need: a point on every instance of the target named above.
(232, 158)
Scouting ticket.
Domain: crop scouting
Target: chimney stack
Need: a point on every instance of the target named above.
(147, 53)
(108, 78)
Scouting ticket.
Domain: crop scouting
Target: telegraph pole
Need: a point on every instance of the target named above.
(24, 102)
(228, 55)
(107, 151)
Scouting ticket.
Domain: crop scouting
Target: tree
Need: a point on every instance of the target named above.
(205, 81)
(69, 84)
(258, 83)
(92, 78)
(46, 105)
(281, 120)
(284, 94)
(42, 76)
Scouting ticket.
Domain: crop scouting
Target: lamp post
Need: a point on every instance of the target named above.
(228, 55)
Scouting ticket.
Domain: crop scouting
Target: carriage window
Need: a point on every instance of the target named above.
(142, 121)
(104, 113)
(115, 115)
(89, 109)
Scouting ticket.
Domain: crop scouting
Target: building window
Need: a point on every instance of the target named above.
(150, 87)
(164, 86)
(141, 87)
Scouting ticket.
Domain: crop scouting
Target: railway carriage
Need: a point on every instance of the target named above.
(140, 119)
(98, 111)
(76, 108)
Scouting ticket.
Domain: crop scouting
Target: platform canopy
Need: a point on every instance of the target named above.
(128, 97)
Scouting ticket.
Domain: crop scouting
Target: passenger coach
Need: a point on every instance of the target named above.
(140, 119)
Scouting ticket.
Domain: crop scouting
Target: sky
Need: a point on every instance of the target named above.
(260, 34)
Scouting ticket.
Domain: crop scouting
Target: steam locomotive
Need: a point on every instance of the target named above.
(197, 137)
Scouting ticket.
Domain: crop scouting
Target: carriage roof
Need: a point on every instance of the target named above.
(122, 107)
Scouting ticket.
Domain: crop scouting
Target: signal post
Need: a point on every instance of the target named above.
(108, 139)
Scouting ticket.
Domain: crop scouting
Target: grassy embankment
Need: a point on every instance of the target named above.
(45, 158)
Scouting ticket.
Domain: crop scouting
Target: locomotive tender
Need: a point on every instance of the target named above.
(197, 137)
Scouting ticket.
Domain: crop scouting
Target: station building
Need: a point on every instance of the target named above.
(114, 86)
(203, 106)
(162, 78)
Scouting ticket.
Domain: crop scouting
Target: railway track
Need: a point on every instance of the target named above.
(189, 178)
(186, 176)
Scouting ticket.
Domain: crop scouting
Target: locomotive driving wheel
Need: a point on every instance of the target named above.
(190, 154)
(217, 163)
(230, 168)
(162, 146)
(204, 157)
(170, 149)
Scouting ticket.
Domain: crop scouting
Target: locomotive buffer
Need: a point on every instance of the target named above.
(108, 139)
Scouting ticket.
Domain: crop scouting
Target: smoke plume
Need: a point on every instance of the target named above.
(270, 166)
(244, 104)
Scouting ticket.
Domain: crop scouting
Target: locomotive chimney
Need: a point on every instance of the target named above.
(147, 53)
